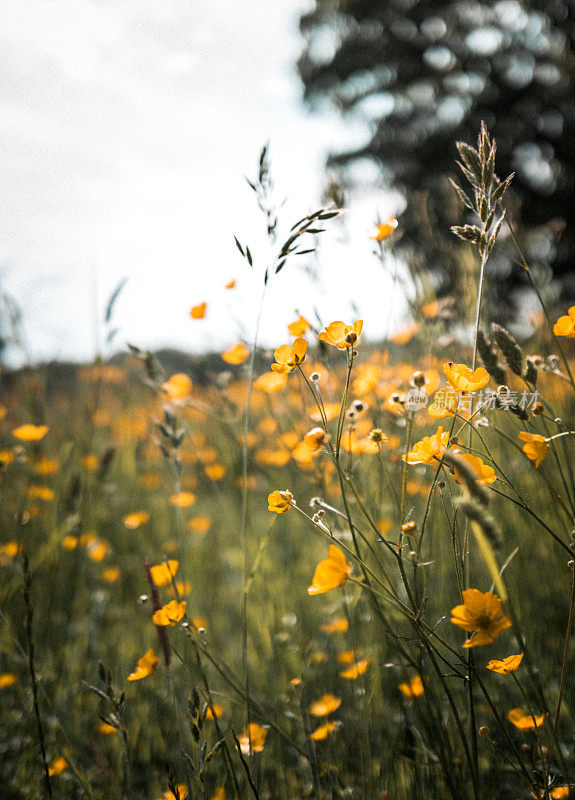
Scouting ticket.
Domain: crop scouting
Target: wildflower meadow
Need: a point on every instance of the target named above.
(340, 569)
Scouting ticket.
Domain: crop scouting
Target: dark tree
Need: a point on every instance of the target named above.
(426, 73)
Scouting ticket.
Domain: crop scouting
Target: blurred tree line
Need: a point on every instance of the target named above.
(424, 74)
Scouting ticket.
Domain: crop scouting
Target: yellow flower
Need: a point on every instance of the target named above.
(406, 334)
(346, 656)
(200, 524)
(46, 466)
(183, 499)
(230, 284)
(505, 665)
(219, 793)
(535, 447)
(353, 673)
(288, 356)
(215, 472)
(271, 382)
(560, 792)
(323, 731)
(110, 575)
(341, 335)
(412, 689)
(135, 519)
(30, 433)
(255, 737)
(385, 229)
(315, 439)
(178, 387)
(565, 326)
(299, 327)
(339, 625)
(523, 721)
(428, 448)
(169, 614)
(146, 666)
(485, 474)
(40, 493)
(91, 462)
(98, 550)
(181, 588)
(199, 311)
(7, 679)
(182, 790)
(6, 458)
(331, 573)
(106, 729)
(236, 354)
(327, 704)
(463, 379)
(162, 574)
(280, 502)
(430, 310)
(481, 614)
(218, 710)
(58, 766)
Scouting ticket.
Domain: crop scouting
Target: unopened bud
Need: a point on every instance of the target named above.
(351, 337)
(418, 379)
(409, 528)
(537, 409)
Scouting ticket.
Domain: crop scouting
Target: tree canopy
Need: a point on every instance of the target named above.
(425, 73)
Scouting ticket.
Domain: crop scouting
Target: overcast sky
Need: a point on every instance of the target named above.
(126, 129)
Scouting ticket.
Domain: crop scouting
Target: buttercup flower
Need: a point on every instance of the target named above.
(135, 519)
(199, 311)
(58, 766)
(323, 731)
(535, 447)
(299, 327)
(429, 448)
(7, 679)
(279, 501)
(481, 614)
(485, 474)
(385, 229)
(356, 670)
(505, 665)
(270, 382)
(288, 356)
(178, 387)
(30, 433)
(341, 335)
(236, 354)
(331, 573)
(339, 625)
(162, 574)
(412, 689)
(523, 721)
(463, 379)
(315, 439)
(565, 326)
(146, 666)
(169, 795)
(327, 704)
(169, 614)
(255, 736)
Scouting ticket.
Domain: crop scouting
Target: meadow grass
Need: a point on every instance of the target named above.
(288, 582)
